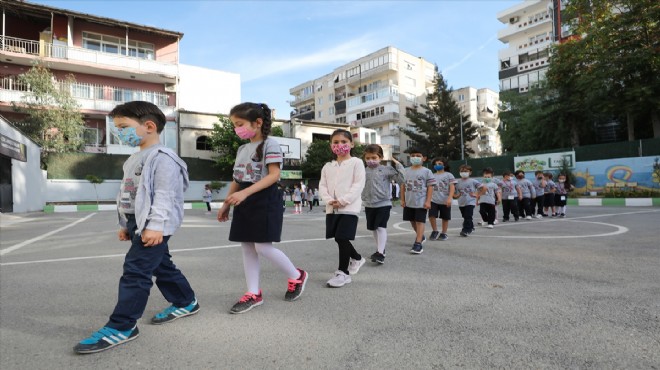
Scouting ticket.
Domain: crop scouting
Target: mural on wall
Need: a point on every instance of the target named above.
(639, 173)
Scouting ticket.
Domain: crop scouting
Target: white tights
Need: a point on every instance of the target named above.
(251, 252)
(380, 234)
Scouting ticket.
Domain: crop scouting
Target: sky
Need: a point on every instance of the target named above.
(276, 45)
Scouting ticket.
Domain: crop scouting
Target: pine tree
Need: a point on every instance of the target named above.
(436, 130)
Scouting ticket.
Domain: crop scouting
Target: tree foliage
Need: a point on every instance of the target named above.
(318, 154)
(53, 119)
(436, 129)
(225, 142)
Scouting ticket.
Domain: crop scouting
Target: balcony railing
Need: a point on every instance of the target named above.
(381, 118)
(76, 54)
(538, 63)
(372, 72)
(536, 44)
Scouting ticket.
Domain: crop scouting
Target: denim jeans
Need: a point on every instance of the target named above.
(468, 224)
(140, 265)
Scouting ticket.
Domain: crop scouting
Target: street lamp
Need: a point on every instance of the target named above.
(462, 145)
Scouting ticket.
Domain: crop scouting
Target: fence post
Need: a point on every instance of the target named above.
(640, 149)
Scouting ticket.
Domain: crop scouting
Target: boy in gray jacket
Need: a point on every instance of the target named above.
(150, 207)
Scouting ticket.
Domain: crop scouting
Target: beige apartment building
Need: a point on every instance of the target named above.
(482, 107)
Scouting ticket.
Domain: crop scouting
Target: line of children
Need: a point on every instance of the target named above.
(416, 194)
(342, 181)
(443, 194)
(488, 198)
(376, 196)
(466, 190)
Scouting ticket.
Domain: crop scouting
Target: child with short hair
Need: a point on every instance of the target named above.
(528, 194)
(443, 194)
(257, 218)
(342, 181)
(376, 196)
(150, 209)
(297, 199)
(539, 188)
(549, 197)
(416, 194)
(488, 198)
(511, 194)
(563, 188)
(466, 190)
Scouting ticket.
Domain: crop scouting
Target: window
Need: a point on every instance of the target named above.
(92, 136)
(461, 97)
(320, 114)
(410, 81)
(203, 143)
(331, 97)
(320, 100)
(331, 110)
(115, 45)
(373, 138)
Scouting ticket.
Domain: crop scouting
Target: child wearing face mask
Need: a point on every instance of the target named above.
(342, 181)
(528, 194)
(539, 188)
(511, 194)
(376, 196)
(549, 197)
(466, 190)
(488, 198)
(416, 194)
(443, 194)
(257, 217)
(563, 187)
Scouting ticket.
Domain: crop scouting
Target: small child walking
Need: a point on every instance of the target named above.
(376, 196)
(466, 189)
(342, 181)
(549, 197)
(511, 194)
(150, 209)
(297, 199)
(539, 188)
(443, 194)
(208, 197)
(525, 208)
(488, 198)
(257, 218)
(416, 194)
(563, 188)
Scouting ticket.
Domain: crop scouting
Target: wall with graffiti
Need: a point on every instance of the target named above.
(596, 175)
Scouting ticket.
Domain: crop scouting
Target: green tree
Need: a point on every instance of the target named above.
(436, 130)
(94, 180)
(224, 140)
(277, 131)
(318, 154)
(53, 118)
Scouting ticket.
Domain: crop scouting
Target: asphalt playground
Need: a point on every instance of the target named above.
(581, 292)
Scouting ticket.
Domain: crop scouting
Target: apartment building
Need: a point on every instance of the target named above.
(482, 107)
(531, 27)
(372, 92)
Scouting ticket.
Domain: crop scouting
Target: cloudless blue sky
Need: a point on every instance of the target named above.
(276, 45)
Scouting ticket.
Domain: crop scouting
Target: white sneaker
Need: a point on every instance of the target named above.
(480, 223)
(496, 222)
(339, 280)
(539, 216)
(489, 226)
(354, 265)
(528, 218)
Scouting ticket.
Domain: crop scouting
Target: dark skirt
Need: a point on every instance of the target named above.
(340, 226)
(259, 217)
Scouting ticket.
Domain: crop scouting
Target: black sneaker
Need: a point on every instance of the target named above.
(417, 248)
(378, 258)
(296, 286)
(562, 215)
(172, 313)
(105, 338)
(443, 237)
(463, 233)
(247, 302)
(434, 235)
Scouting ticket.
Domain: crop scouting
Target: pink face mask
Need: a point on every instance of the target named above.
(373, 164)
(341, 149)
(244, 132)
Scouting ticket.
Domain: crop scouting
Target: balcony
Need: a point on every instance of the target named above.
(300, 99)
(16, 47)
(526, 26)
(537, 45)
(380, 96)
(387, 67)
(534, 64)
(379, 119)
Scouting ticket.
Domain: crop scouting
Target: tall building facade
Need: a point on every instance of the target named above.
(371, 92)
(482, 107)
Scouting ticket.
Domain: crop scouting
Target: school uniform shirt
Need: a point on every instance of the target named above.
(539, 187)
(441, 187)
(343, 181)
(509, 189)
(417, 180)
(489, 197)
(247, 167)
(464, 187)
(297, 197)
(550, 186)
(527, 188)
(561, 189)
(378, 187)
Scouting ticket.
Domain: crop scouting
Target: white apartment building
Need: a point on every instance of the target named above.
(482, 107)
(371, 92)
(531, 29)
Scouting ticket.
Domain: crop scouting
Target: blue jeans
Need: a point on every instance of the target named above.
(140, 265)
(468, 224)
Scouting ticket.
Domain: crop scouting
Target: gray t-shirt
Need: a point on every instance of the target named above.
(417, 180)
(539, 187)
(466, 187)
(441, 187)
(131, 180)
(527, 188)
(248, 169)
(509, 189)
(489, 196)
(550, 186)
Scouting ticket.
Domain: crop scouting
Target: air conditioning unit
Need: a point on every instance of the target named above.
(170, 87)
(513, 20)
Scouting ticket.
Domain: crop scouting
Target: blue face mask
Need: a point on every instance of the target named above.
(438, 167)
(129, 136)
(415, 161)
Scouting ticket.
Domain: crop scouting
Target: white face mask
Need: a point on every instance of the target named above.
(465, 175)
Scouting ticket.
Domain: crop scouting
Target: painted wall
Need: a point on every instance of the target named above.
(594, 175)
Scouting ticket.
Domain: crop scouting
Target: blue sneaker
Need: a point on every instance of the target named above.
(172, 313)
(417, 248)
(104, 339)
(443, 237)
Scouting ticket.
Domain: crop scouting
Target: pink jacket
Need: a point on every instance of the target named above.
(344, 182)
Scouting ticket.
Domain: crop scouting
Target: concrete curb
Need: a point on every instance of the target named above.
(623, 202)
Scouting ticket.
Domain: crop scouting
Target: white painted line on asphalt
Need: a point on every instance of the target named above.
(28, 242)
(620, 230)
